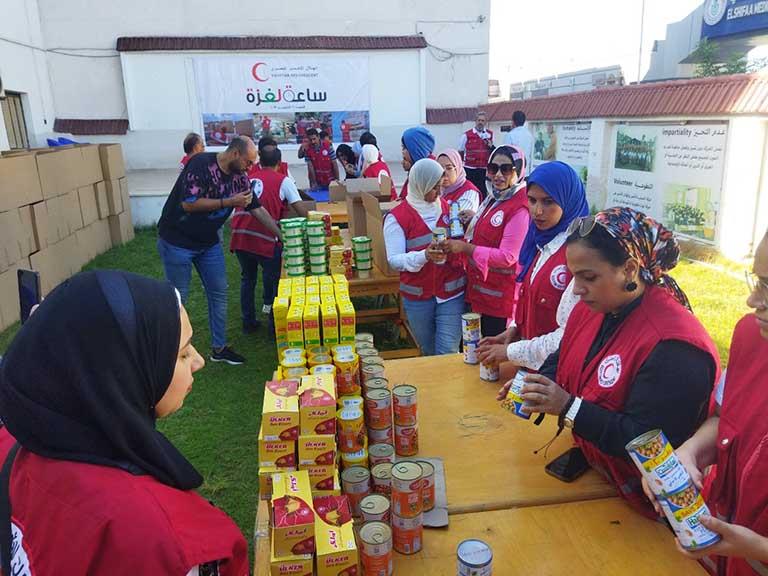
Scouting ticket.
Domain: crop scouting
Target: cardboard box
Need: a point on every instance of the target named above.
(89, 207)
(101, 199)
(330, 320)
(69, 254)
(277, 453)
(335, 491)
(112, 165)
(114, 197)
(316, 449)
(322, 478)
(60, 171)
(317, 405)
(19, 182)
(124, 195)
(58, 227)
(121, 229)
(334, 536)
(296, 565)
(91, 164)
(40, 224)
(28, 239)
(293, 519)
(280, 411)
(93, 240)
(11, 234)
(375, 212)
(350, 191)
(346, 321)
(294, 324)
(73, 214)
(311, 325)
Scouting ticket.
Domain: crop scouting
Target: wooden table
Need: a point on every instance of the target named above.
(337, 210)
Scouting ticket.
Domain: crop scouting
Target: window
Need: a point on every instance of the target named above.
(15, 125)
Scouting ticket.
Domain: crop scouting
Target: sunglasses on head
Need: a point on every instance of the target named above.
(583, 226)
(506, 169)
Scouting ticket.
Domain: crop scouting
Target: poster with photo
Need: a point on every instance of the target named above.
(567, 142)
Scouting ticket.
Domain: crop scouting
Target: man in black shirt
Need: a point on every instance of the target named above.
(205, 193)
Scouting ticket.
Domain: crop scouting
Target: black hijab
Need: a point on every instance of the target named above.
(81, 379)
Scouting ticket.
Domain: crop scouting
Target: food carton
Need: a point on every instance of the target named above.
(311, 322)
(296, 565)
(335, 537)
(280, 411)
(265, 480)
(346, 320)
(276, 453)
(292, 515)
(294, 325)
(317, 449)
(317, 404)
(330, 319)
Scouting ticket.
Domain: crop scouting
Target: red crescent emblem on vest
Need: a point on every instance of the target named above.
(559, 277)
(609, 371)
(497, 219)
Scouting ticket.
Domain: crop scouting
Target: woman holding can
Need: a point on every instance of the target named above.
(494, 238)
(555, 199)
(456, 188)
(736, 439)
(431, 282)
(633, 357)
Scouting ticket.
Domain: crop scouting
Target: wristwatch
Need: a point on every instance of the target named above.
(570, 416)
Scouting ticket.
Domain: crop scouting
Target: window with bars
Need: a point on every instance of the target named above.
(15, 124)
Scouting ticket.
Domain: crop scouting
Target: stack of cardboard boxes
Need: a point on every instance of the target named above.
(59, 208)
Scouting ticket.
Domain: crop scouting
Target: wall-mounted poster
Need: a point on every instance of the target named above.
(567, 142)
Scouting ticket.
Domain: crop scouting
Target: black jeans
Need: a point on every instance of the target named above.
(249, 276)
(492, 325)
(477, 177)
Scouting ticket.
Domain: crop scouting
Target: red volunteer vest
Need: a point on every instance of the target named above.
(496, 295)
(536, 312)
(322, 162)
(257, 168)
(250, 235)
(477, 153)
(740, 489)
(459, 192)
(608, 378)
(77, 518)
(375, 169)
(442, 281)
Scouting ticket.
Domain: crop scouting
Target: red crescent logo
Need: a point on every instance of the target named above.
(255, 72)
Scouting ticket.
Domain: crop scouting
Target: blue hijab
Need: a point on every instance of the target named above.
(565, 187)
(419, 142)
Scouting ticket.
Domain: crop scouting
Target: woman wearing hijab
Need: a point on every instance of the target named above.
(417, 143)
(94, 488)
(346, 156)
(555, 199)
(456, 189)
(494, 239)
(431, 283)
(375, 167)
(633, 357)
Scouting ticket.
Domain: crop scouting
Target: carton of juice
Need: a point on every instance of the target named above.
(265, 480)
(295, 326)
(276, 453)
(322, 478)
(284, 288)
(340, 279)
(312, 289)
(334, 537)
(317, 404)
(280, 411)
(292, 516)
(311, 322)
(330, 319)
(311, 281)
(296, 565)
(317, 449)
(346, 320)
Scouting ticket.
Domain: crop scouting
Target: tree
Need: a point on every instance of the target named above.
(710, 63)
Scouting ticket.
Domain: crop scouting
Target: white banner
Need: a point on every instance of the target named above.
(568, 143)
(672, 173)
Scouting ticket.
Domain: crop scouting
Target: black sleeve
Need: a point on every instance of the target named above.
(549, 368)
(671, 391)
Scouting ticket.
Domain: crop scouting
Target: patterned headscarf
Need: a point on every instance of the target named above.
(651, 244)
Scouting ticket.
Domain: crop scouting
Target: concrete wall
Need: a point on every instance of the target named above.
(682, 38)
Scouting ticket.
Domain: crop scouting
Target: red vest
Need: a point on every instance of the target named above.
(375, 169)
(608, 378)
(442, 281)
(403, 192)
(476, 153)
(250, 235)
(257, 168)
(536, 312)
(459, 192)
(80, 518)
(740, 489)
(496, 295)
(322, 162)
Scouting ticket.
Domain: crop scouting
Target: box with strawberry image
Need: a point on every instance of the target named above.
(324, 480)
(335, 537)
(296, 565)
(317, 449)
(292, 516)
(317, 405)
(280, 411)
(277, 453)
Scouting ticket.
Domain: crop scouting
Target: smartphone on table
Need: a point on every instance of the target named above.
(29, 292)
(568, 466)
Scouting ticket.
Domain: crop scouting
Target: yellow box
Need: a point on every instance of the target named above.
(298, 300)
(346, 321)
(325, 280)
(326, 289)
(330, 318)
(317, 449)
(265, 480)
(296, 565)
(292, 515)
(312, 288)
(311, 281)
(321, 478)
(313, 300)
(284, 287)
(276, 453)
(340, 279)
(327, 300)
(295, 327)
(280, 308)
(336, 487)
(280, 411)
(311, 321)
(298, 287)
(317, 404)
(334, 536)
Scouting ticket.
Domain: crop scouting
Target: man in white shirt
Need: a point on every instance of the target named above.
(520, 136)
(475, 148)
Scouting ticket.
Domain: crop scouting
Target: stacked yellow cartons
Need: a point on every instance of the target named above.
(317, 441)
(295, 320)
(345, 309)
(278, 432)
(293, 524)
(280, 312)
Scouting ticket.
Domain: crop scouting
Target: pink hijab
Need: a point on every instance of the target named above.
(461, 174)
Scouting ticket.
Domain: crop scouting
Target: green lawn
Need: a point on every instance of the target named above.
(218, 426)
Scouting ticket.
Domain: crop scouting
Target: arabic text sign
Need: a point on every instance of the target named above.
(263, 83)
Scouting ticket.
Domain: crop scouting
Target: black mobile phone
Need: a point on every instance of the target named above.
(29, 292)
(568, 466)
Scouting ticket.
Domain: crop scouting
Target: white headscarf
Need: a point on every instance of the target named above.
(422, 178)
(370, 155)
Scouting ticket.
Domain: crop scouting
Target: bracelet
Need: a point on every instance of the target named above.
(564, 411)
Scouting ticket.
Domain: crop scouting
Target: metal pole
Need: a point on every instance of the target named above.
(640, 51)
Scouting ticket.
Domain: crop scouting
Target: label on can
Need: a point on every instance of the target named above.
(456, 228)
(381, 452)
(323, 369)
(347, 374)
(351, 430)
(406, 489)
(470, 352)
(489, 372)
(376, 549)
(683, 508)
(381, 476)
(470, 326)
(376, 382)
(474, 558)
(383, 436)
(378, 409)
(427, 485)
(375, 508)
(356, 483)
(350, 402)
(407, 533)
(406, 440)
(440, 235)
(656, 459)
(350, 459)
(514, 401)
(405, 405)
(343, 350)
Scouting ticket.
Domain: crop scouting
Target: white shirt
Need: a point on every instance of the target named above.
(463, 139)
(532, 353)
(397, 255)
(470, 200)
(288, 191)
(523, 139)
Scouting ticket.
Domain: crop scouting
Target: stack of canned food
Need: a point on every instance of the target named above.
(363, 256)
(470, 335)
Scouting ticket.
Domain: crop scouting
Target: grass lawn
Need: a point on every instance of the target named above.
(218, 427)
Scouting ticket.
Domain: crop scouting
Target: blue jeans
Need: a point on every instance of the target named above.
(437, 327)
(210, 265)
(249, 277)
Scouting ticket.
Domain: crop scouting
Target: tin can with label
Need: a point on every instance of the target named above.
(456, 228)
(343, 350)
(383, 436)
(381, 478)
(350, 459)
(295, 373)
(470, 326)
(318, 350)
(364, 337)
(381, 453)
(489, 372)
(474, 558)
(406, 440)
(656, 459)
(351, 430)
(350, 402)
(405, 406)
(683, 508)
(376, 549)
(375, 383)
(407, 501)
(378, 409)
(318, 359)
(407, 533)
(375, 508)
(470, 352)
(514, 401)
(367, 352)
(347, 374)
(356, 483)
(427, 484)
(440, 235)
(372, 370)
(324, 369)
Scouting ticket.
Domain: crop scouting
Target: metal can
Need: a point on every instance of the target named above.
(406, 440)
(456, 228)
(407, 533)
(440, 235)
(427, 484)
(683, 508)
(470, 352)
(656, 459)
(318, 350)
(364, 337)
(381, 453)
(351, 459)
(293, 353)
(514, 401)
(367, 352)
(350, 402)
(372, 370)
(293, 362)
(470, 326)
(405, 404)
(318, 359)
(347, 374)
(351, 429)
(489, 372)
(375, 508)
(356, 483)
(381, 477)
(383, 436)
(342, 350)
(376, 549)
(363, 345)
(378, 409)
(324, 369)
(375, 383)
(474, 558)
(407, 501)
(294, 373)
(372, 360)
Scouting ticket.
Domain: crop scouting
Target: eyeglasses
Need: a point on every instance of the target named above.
(506, 169)
(756, 285)
(583, 226)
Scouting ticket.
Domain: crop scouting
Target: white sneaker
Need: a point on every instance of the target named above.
(266, 309)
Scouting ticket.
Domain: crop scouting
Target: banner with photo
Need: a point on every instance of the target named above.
(672, 173)
(568, 143)
(282, 97)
